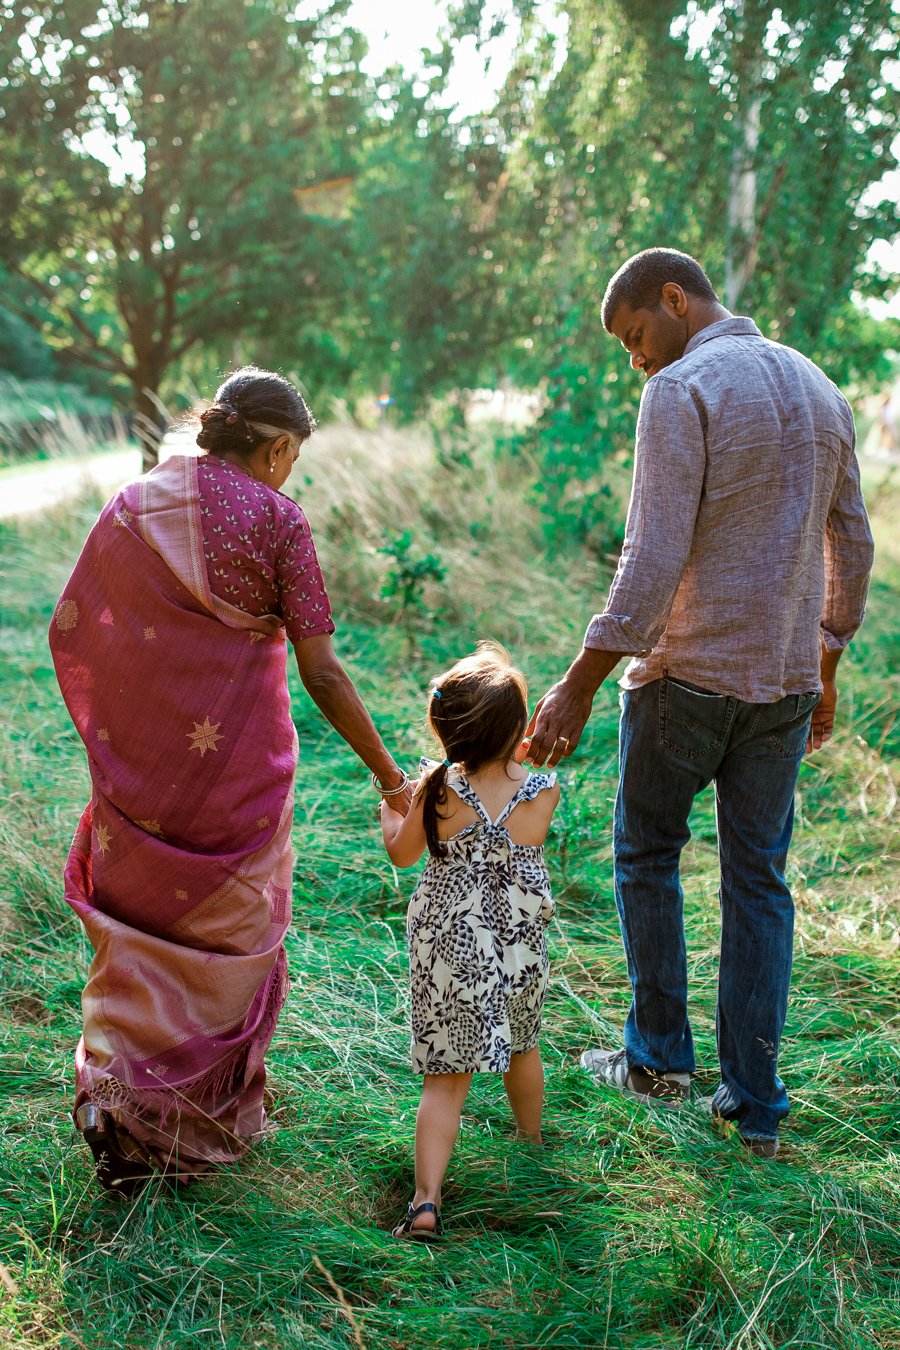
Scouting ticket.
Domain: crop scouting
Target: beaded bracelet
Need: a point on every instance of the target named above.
(391, 792)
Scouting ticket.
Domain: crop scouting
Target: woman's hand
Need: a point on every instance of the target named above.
(398, 803)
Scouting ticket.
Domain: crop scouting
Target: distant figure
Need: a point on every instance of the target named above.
(743, 576)
(169, 645)
(476, 922)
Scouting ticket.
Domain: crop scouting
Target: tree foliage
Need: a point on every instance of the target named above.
(463, 250)
(218, 112)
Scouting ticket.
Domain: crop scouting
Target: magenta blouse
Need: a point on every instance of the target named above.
(259, 550)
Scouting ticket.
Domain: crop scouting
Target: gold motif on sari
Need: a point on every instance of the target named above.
(66, 615)
(151, 826)
(150, 634)
(103, 837)
(103, 734)
(204, 736)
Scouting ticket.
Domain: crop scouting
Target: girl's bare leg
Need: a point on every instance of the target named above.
(524, 1083)
(437, 1125)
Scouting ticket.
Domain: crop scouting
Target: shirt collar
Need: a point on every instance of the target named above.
(733, 327)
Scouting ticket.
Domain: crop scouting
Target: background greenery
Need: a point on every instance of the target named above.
(279, 204)
(632, 1227)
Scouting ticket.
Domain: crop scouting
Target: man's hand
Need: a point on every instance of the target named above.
(559, 719)
(556, 724)
(821, 726)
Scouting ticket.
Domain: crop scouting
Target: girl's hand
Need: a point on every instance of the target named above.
(393, 810)
(391, 822)
(404, 835)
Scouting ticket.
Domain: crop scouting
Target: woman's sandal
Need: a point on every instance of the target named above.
(116, 1172)
(406, 1231)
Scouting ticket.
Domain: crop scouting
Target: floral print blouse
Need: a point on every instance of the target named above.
(259, 550)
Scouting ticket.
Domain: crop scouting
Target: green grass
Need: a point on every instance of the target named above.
(633, 1227)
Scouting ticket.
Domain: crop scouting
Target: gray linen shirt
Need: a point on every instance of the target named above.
(747, 541)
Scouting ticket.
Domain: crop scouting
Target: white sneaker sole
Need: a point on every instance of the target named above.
(593, 1064)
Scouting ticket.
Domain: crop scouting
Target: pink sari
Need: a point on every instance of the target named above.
(181, 866)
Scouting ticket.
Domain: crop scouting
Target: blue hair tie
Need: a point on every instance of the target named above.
(449, 763)
(436, 693)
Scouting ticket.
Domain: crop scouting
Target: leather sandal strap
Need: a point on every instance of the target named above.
(426, 1207)
(412, 1214)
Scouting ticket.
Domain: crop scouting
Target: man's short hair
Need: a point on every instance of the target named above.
(639, 282)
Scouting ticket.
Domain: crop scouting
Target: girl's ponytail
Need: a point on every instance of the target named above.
(434, 794)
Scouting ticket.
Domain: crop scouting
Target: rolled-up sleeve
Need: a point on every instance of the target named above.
(849, 551)
(669, 470)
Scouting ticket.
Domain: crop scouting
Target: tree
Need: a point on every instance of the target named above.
(757, 148)
(211, 115)
(809, 115)
(427, 284)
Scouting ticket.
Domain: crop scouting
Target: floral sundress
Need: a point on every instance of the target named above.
(477, 943)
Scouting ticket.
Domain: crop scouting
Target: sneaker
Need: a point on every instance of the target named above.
(611, 1067)
(757, 1145)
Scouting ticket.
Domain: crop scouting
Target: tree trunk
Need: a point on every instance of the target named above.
(742, 244)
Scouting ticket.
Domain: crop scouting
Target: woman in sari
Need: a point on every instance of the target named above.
(169, 645)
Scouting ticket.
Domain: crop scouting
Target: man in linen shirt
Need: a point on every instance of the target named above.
(743, 576)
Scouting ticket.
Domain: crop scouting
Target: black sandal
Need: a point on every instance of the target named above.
(406, 1232)
(116, 1172)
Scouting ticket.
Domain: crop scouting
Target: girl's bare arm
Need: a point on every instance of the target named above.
(404, 836)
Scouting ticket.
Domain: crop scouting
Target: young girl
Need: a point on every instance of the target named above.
(476, 921)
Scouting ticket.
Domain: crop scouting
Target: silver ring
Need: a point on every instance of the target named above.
(564, 739)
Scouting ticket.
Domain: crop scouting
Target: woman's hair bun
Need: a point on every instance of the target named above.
(252, 406)
(223, 428)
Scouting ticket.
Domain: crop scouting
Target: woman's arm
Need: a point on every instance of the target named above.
(404, 836)
(333, 692)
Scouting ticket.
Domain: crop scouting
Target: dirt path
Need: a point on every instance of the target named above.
(34, 487)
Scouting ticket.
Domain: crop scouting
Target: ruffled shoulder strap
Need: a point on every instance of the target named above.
(534, 783)
(457, 780)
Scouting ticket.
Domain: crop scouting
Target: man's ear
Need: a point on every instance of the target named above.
(674, 297)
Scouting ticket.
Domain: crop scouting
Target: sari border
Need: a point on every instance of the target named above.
(169, 522)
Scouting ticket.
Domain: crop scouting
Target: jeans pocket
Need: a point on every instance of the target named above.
(692, 722)
(789, 736)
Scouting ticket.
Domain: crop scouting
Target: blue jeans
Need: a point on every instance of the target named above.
(674, 740)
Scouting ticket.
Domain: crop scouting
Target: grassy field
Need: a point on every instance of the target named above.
(632, 1227)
